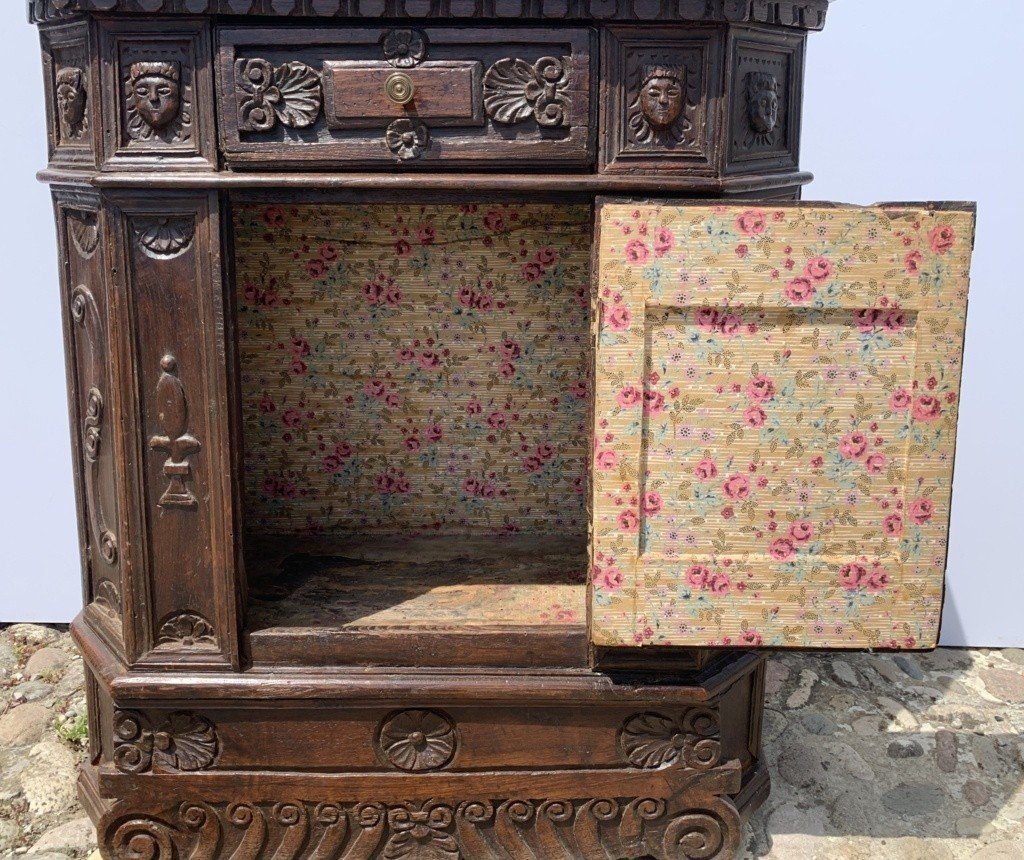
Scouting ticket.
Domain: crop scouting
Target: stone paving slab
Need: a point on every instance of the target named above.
(873, 757)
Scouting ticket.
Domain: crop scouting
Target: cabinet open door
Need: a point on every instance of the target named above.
(776, 396)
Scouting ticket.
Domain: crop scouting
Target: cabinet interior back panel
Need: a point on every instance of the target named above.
(414, 369)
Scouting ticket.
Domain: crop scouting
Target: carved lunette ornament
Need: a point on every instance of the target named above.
(515, 90)
(164, 236)
(186, 631)
(290, 94)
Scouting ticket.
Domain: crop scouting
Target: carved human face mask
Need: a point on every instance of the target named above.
(156, 92)
(70, 100)
(661, 99)
(763, 103)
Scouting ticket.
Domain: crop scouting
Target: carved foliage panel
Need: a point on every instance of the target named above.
(72, 93)
(158, 93)
(93, 399)
(661, 103)
(176, 336)
(764, 126)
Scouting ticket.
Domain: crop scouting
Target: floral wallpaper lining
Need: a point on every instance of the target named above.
(420, 369)
(776, 403)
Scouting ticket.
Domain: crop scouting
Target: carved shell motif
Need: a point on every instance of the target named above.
(418, 740)
(653, 740)
(183, 741)
(290, 94)
(515, 90)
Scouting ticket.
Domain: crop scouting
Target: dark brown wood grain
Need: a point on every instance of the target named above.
(212, 734)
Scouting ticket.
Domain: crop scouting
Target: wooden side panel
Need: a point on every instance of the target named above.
(776, 404)
(182, 528)
(93, 406)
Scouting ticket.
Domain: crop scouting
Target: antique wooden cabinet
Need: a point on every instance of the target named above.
(462, 402)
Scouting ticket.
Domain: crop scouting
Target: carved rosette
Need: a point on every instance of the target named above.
(404, 49)
(703, 826)
(407, 138)
(182, 741)
(417, 740)
(174, 440)
(515, 90)
(290, 94)
(652, 740)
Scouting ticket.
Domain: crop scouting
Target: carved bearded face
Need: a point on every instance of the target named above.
(762, 102)
(661, 98)
(70, 100)
(156, 92)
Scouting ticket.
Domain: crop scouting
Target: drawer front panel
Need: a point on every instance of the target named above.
(372, 96)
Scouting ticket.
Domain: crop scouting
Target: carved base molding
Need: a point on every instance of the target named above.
(698, 822)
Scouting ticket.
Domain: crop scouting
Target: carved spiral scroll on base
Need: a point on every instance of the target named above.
(698, 827)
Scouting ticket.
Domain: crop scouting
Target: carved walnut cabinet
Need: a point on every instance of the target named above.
(462, 401)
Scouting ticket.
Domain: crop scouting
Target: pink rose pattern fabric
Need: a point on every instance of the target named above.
(414, 369)
(776, 404)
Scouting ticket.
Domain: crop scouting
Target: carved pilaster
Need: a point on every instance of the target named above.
(183, 531)
(93, 405)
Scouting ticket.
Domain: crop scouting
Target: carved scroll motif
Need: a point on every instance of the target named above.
(86, 316)
(699, 825)
(182, 741)
(290, 94)
(175, 440)
(515, 90)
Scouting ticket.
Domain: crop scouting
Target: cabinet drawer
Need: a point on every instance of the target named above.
(404, 96)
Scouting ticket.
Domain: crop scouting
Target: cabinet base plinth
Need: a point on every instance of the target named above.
(470, 764)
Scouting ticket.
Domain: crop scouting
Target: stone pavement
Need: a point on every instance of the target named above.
(913, 757)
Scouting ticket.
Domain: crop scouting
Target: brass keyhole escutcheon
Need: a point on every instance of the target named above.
(400, 88)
